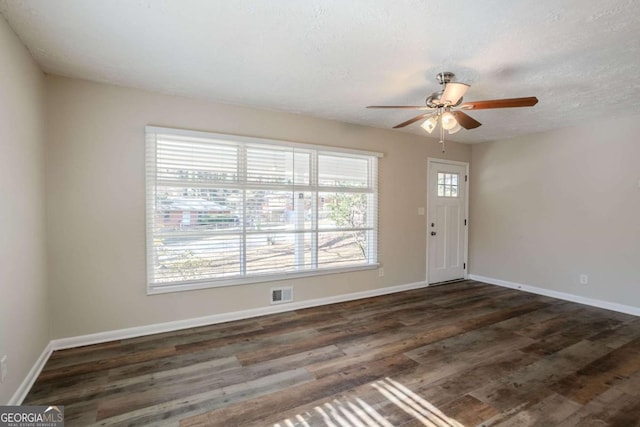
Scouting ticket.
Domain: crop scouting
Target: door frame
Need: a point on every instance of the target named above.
(430, 161)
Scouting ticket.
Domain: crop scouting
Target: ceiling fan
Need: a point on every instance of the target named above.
(445, 107)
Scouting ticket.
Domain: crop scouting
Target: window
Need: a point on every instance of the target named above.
(224, 210)
(447, 184)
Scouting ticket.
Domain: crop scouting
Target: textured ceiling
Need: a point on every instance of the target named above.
(331, 58)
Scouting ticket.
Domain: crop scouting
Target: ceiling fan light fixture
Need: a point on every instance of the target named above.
(429, 125)
(448, 121)
(455, 129)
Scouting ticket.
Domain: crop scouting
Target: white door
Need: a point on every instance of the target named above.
(446, 227)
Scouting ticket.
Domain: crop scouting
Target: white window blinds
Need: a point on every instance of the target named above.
(224, 209)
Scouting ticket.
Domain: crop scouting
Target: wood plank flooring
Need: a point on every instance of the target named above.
(461, 354)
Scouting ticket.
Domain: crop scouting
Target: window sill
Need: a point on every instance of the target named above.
(203, 284)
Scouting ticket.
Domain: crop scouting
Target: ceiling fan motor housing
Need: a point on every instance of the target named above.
(433, 100)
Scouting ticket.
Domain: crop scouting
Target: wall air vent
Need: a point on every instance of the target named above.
(280, 295)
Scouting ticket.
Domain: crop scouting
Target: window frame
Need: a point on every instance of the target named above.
(372, 190)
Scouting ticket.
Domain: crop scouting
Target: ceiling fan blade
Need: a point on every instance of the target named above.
(453, 91)
(413, 120)
(406, 107)
(465, 120)
(500, 103)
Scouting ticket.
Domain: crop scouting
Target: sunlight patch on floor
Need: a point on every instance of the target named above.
(414, 405)
(355, 412)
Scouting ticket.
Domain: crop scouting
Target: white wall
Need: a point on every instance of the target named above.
(24, 315)
(95, 204)
(548, 207)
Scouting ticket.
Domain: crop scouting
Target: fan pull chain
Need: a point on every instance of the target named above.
(441, 131)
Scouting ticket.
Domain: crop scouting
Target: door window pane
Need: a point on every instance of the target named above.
(447, 184)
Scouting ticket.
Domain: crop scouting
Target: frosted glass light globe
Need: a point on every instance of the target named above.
(448, 121)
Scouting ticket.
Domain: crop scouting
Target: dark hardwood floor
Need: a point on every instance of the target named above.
(465, 353)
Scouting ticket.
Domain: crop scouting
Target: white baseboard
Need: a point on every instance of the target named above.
(100, 337)
(628, 309)
(31, 377)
